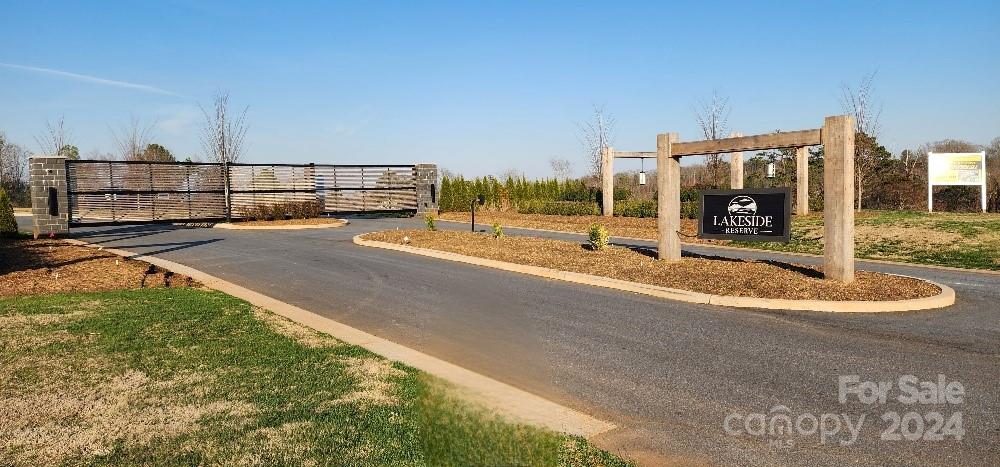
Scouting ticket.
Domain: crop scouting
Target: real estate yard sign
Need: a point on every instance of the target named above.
(762, 215)
(955, 169)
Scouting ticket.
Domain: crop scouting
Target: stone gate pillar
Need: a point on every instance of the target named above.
(425, 177)
(49, 202)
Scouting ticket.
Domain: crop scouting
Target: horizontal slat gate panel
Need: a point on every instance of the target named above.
(115, 191)
(136, 191)
(366, 188)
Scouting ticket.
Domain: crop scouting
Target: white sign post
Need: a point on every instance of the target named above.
(955, 169)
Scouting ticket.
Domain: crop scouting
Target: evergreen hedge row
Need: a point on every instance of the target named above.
(548, 196)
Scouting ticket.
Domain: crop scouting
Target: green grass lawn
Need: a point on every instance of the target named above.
(963, 240)
(188, 376)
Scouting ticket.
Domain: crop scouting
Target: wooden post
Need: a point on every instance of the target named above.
(668, 199)
(607, 182)
(802, 181)
(736, 166)
(838, 198)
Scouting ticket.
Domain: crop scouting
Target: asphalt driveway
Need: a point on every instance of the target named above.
(668, 373)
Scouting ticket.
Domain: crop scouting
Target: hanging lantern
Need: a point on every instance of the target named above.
(770, 169)
(642, 172)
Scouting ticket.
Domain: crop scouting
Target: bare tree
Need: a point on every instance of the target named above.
(713, 119)
(993, 174)
(222, 133)
(861, 104)
(13, 162)
(514, 174)
(13, 170)
(132, 140)
(55, 138)
(97, 155)
(597, 135)
(562, 169)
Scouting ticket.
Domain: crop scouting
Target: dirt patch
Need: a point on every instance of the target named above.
(286, 222)
(42, 266)
(712, 275)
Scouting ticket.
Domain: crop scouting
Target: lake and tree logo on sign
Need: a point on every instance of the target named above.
(755, 215)
(743, 205)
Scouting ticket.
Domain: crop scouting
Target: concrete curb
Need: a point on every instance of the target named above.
(331, 225)
(520, 405)
(761, 250)
(943, 299)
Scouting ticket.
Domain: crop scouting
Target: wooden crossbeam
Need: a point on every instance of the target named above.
(635, 154)
(787, 139)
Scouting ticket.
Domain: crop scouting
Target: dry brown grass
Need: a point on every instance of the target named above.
(53, 424)
(81, 407)
(374, 386)
(304, 335)
(707, 275)
(48, 266)
(372, 375)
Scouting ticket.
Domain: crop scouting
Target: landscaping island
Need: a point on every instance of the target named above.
(706, 275)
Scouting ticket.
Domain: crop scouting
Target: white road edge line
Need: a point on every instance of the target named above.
(520, 405)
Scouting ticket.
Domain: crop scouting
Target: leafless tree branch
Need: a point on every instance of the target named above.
(561, 168)
(713, 120)
(596, 135)
(223, 135)
(861, 104)
(54, 138)
(133, 139)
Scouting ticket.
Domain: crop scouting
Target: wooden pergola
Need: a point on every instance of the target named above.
(837, 138)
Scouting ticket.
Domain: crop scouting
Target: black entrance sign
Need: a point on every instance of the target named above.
(759, 215)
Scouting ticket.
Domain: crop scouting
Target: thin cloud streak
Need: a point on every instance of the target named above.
(92, 79)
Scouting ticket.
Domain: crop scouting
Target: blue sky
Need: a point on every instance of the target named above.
(483, 87)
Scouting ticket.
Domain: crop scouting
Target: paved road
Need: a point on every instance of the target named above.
(668, 373)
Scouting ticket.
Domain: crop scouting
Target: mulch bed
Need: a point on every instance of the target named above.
(713, 275)
(312, 221)
(50, 265)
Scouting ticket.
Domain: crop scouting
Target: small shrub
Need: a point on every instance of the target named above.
(690, 209)
(282, 211)
(560, 208)
(599, 237)
(278, 211)
(431, 222)
(497, 230)
(304, 210)
(8, 223)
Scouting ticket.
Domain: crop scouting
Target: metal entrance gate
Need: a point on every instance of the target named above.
(116, 192)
